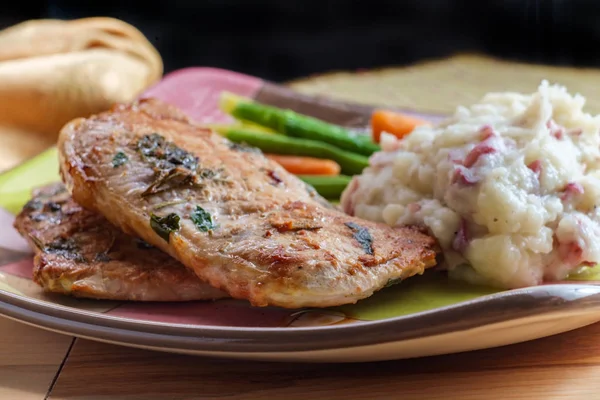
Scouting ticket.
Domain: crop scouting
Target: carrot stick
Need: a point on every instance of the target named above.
(394, 123)
(306, 165)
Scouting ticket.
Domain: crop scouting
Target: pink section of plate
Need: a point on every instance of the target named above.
(219, 313)
(22, 269)
(9, 237)
(196, 91)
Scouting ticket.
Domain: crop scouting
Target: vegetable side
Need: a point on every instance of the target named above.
(323, 155)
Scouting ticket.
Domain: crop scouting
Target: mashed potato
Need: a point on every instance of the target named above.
(509, 187)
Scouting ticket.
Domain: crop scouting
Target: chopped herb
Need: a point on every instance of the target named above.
(163, 226)
(178, 156)
(362, 235)
(155, 148)
(173, 166)
(393, 282)
(33, 205)
(149, 144)
(170, 179)
(119, 159)
(202, 219)
(141, 244)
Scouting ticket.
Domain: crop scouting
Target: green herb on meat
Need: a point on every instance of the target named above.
(202, 219)
(393, 282)
(163, 226)
(156, 149)
(171, 179)
(173, 166)
(148, 145)
(119, 159)
(362, 235)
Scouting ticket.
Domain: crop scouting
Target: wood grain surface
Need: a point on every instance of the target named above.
(561, 367)
(565, 366)
(30, 359)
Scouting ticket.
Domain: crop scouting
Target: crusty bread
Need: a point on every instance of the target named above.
(52, 71)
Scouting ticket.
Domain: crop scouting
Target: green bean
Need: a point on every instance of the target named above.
(297, 125)
(350, 163)
(330, 187)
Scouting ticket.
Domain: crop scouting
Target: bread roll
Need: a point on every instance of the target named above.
(52, 71)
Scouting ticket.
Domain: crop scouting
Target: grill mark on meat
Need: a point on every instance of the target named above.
(78, 253)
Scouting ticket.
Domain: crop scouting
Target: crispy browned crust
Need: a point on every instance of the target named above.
(79, 253)
(275, 242)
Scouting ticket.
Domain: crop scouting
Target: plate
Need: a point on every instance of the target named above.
(425, 315)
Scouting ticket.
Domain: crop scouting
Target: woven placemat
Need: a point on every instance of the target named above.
(439, 86)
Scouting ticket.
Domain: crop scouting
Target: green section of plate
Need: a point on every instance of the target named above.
(16, 184)
(417, 294)
(587, 274)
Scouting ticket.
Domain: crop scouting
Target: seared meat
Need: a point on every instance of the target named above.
(77, 252)
(237, 219)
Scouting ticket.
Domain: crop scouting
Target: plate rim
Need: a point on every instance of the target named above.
(510, 305)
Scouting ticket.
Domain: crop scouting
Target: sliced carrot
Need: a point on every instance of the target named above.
(394, 123)
(306, 165)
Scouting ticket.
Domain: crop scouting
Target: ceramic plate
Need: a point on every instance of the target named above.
(423, 316)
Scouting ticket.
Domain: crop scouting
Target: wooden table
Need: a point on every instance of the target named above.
(37, 364)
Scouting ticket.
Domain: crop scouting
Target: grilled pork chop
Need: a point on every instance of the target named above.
(77, 252)
(238, 220)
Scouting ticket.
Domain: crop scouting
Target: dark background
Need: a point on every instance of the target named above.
(285, 39)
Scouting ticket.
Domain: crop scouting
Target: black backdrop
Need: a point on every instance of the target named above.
(283, 39)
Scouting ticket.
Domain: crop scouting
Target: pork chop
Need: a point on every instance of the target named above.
(78, 253)
(238, 220)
